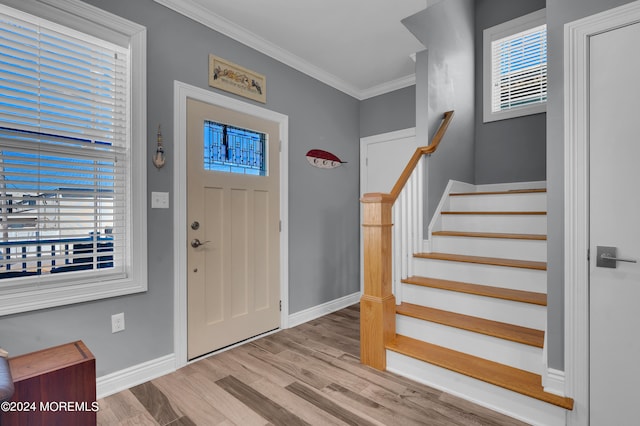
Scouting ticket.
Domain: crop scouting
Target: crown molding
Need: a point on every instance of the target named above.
(205, 17)
(387, 87)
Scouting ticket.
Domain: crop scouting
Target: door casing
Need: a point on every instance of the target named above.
(576, 196)
(182, 91)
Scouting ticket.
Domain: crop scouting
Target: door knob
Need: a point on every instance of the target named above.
(195, 243)
(607, 257)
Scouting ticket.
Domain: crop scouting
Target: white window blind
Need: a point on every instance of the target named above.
(519, 69)
(64, 152)
(514, 68)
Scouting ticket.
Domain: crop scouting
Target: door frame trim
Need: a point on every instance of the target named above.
(182, 92)
(577, 36)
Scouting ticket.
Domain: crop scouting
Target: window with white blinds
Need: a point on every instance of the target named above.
(516, 67)
(519, 64)
(65, 156)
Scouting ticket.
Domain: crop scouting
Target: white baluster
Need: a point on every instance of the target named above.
(404, 236)
(420, 204)
(407, 233)
(395, 249)
(410, 223)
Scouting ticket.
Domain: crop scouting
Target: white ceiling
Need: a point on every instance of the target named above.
(357, 46)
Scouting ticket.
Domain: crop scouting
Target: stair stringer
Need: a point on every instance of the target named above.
(443, 205)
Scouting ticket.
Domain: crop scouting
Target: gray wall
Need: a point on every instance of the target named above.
(512, 150)
(447, 31)
(323, 204)
(388, 112)
(559, 12)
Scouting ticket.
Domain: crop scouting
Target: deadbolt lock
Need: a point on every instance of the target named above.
(195, 225)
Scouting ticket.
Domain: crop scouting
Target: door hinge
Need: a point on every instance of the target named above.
(281, 306)
(588, 254)
(280, 226)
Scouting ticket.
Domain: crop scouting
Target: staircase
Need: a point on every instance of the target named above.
(471, 317)
(464, 309)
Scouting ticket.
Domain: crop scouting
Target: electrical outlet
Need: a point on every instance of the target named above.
(117, 322)
(159, 200)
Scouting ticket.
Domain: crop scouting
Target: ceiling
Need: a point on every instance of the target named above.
(357, 46)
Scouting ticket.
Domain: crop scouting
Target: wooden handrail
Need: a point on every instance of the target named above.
(415, 158)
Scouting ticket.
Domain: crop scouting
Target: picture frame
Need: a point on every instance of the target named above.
(233, 78)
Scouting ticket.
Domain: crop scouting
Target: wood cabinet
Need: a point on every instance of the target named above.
(54, 386)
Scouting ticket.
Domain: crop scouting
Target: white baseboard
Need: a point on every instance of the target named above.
(135, 375)
(324, 309)
(554, 382)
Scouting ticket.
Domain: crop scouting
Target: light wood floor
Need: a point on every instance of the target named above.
(309, 374)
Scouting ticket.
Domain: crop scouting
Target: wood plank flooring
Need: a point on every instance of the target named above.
(306, 375)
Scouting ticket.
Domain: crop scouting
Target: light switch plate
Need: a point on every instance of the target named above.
(159, 200)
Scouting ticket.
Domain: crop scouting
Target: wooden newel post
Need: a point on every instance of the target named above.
(377, 305)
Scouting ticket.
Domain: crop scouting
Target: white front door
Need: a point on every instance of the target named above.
(233, 220)
(614, 198)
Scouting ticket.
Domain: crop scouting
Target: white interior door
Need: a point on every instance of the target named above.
(614, 197)
(233, 251)
(382, 159)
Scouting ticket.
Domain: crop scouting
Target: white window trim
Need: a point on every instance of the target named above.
(499, 31)
(98, 23)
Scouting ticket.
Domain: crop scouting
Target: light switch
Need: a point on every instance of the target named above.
(159, 200)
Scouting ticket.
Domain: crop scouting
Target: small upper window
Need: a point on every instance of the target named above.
(234, 150)
(515, 67)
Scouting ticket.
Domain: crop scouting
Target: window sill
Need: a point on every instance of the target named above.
(489, 117)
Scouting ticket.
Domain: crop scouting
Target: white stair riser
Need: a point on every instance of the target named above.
(499, 202)
(506, 248)
(518, 224)
(512, 404)
(496, 276)
(514, 354)
(522, 314)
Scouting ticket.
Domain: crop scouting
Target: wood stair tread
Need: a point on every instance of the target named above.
(480, 290)
(513, 263)
(501, 330)
(507, 377)
(503, 213)
(537, 237)
(513, 191)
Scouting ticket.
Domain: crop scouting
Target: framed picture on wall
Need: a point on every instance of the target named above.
(233, 78)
